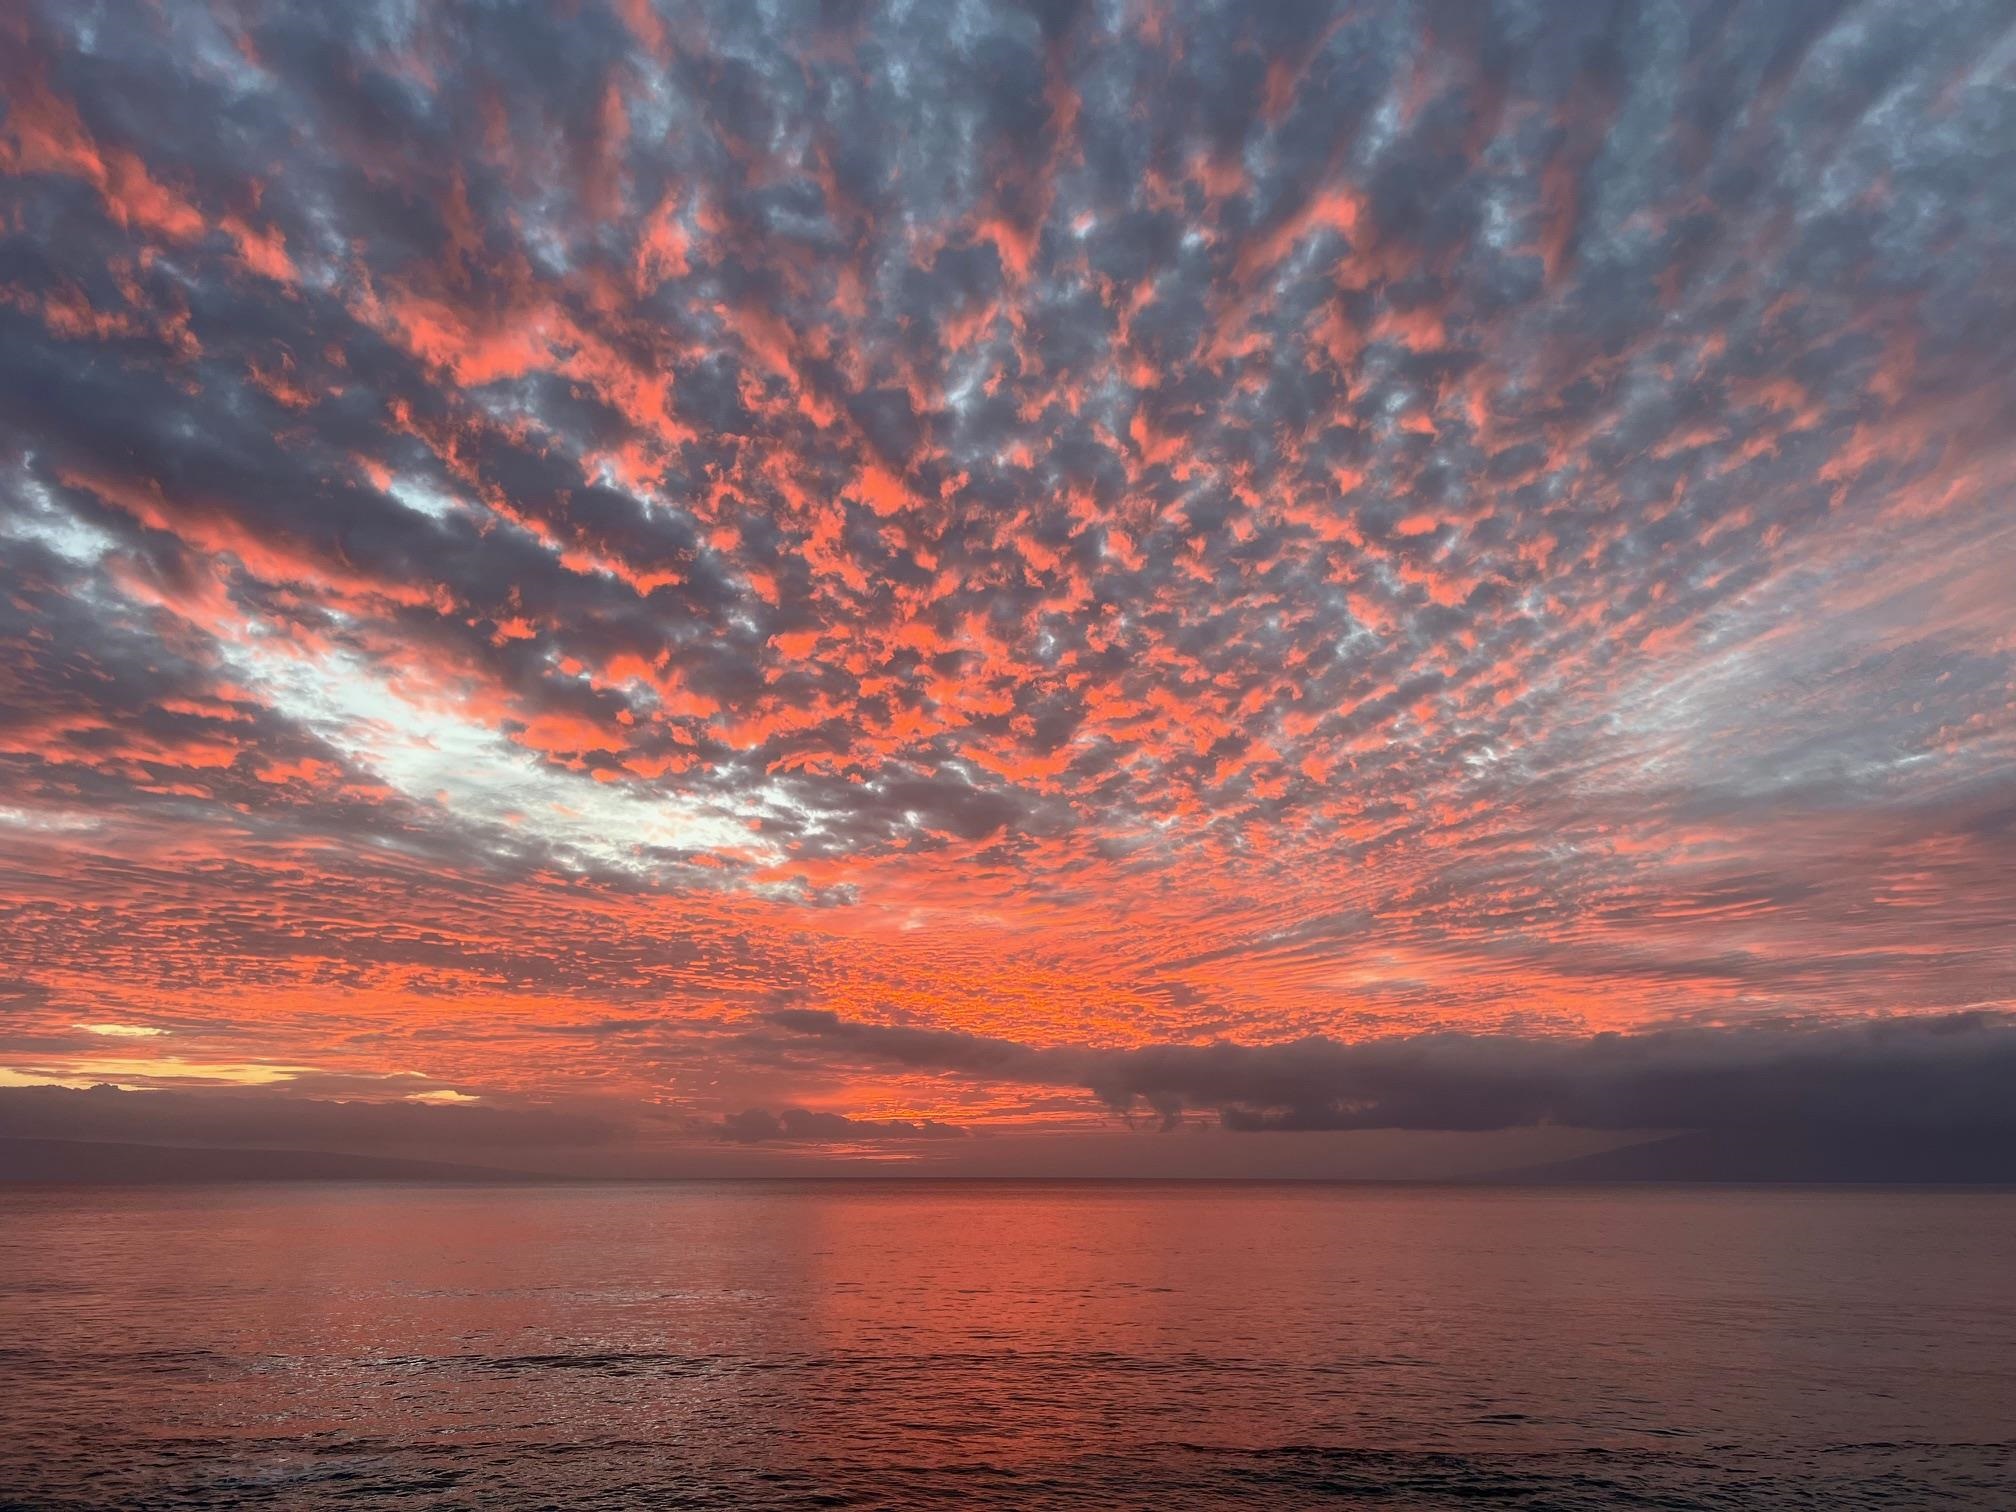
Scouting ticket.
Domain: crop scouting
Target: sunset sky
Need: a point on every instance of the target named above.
(840, 581)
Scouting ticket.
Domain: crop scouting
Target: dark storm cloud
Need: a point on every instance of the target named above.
(1910, 1074)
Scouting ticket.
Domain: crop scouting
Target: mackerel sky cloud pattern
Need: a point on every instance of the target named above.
(537, 543)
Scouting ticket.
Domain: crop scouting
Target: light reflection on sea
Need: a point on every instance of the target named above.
(1005, 1344)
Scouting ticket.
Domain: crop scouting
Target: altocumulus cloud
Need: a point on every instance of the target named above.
(531, 535)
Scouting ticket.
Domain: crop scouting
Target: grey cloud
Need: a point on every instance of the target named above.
(1934, 1074)
(232, 1118)
(756, 1125)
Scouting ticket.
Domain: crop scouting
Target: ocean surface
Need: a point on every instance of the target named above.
(1006, 1345)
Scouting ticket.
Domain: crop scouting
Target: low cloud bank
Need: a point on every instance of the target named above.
(282, 1122)
(1946, 1076)
(1922, 1074)
(758, 1125)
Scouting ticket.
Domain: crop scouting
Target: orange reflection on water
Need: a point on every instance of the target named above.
(751, 1338)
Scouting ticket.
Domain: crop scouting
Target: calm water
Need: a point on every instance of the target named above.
(1011, 1346)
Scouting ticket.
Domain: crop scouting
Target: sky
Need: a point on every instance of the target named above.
(794, 582)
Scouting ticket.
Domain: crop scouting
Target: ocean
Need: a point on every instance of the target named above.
(1006, 1345)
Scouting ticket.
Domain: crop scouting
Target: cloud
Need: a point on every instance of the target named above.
(280, 1122)
(1150, 522)
(756, 1124)
(1919, 1074)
